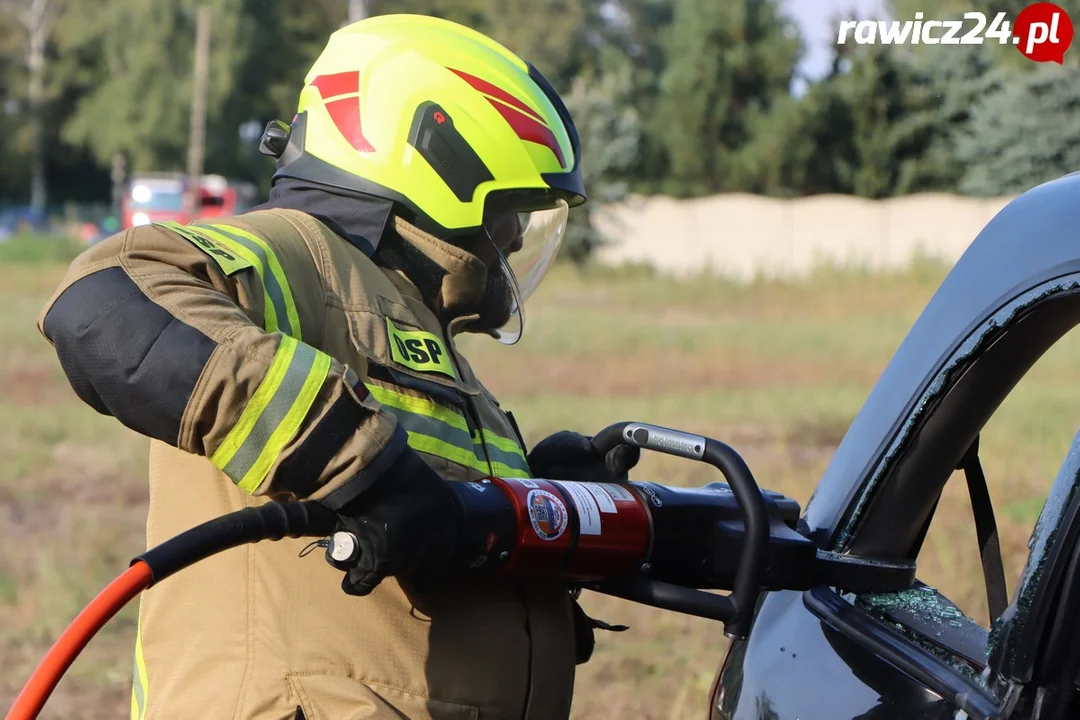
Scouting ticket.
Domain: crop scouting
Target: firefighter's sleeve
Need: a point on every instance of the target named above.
(206, 338)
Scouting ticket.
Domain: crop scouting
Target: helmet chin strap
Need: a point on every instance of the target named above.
(504, 337)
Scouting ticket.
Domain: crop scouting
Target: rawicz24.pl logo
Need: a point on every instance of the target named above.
(1042, 32)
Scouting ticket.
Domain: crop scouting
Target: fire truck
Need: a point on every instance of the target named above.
(159, 197)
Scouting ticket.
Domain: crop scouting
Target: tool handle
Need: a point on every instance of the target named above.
(736, 610)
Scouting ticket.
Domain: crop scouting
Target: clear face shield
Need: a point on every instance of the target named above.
(524, 241)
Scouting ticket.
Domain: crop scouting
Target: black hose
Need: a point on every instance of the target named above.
(271, 521)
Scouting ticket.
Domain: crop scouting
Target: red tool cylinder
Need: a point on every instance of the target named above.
(583, 531)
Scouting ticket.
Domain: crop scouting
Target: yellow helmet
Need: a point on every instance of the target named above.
(431, 114)
(443, 120)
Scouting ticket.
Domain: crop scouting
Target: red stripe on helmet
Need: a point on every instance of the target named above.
(495, 91)
(341, 83)
(346, 116)
(529, 129)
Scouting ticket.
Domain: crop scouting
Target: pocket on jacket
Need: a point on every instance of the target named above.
(336, 697)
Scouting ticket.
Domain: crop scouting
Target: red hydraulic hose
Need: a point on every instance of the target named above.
(271, 521)
(68, 646)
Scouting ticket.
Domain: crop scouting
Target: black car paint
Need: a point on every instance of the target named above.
(795, 665)
(1011, 295)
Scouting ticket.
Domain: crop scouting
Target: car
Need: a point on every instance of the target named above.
(824, 653)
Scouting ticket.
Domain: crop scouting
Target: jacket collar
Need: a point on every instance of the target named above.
(448, 279)
(363, 220)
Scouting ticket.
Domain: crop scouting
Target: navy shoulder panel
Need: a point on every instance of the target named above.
(126, 356)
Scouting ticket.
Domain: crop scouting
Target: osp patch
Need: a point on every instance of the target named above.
(418, 349)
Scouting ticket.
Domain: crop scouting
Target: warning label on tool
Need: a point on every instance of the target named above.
(618, 492)
(603, 500)
(588, 512)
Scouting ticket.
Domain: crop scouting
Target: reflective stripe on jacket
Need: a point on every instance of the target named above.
(268, 358)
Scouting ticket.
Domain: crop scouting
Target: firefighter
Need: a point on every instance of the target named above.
(306, 350)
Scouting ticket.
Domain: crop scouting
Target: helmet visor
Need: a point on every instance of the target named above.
(526, 243)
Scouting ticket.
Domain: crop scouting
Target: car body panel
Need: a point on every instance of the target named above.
(796, 665)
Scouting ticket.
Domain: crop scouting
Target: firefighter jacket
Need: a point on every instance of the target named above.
(268, 358)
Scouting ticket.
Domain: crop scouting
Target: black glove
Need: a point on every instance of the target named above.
(567, 455)
(405, 523)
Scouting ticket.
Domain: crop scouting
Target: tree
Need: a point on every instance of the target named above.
(554, 35)
(881, 123)
(728, 64)
(119, 84)
(637, 32)
(137, 85)
(893, 123)
(14, 169)
(1023, 134)
(37, 19)
(803, 146)
(956, 87)
(610, 133)
(132, 63)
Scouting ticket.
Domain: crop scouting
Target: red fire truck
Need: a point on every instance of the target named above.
(159, 197)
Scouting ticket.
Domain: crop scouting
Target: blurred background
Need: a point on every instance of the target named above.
(769, 212)
(678, 98)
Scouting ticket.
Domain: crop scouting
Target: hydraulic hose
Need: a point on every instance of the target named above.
(72, 641)
(505, 517)
(272, 521)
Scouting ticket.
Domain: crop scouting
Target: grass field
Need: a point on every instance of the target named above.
(775, 369)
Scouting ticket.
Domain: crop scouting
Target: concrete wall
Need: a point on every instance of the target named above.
(747, 235)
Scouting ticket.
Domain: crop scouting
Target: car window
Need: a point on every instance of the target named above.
(1021, 448)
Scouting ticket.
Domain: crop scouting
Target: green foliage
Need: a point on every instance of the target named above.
(133, 61)
(12, 97)
(893, 115)
(868, 130)
(958, 85)
(675, 96)
(885, 122)
(283, 39)
(639, 35)
(1023, 134)
(803, 146)
(728, 64)
(119, 82)
(560, 49)
(610, 132)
